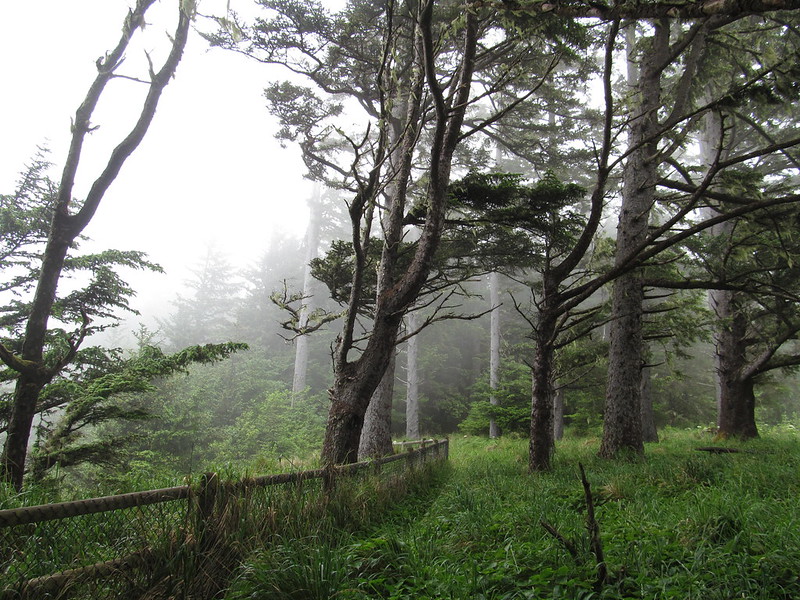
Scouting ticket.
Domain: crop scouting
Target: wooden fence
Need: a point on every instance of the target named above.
(94, 548)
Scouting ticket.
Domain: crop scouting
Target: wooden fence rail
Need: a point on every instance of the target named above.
(65, 510)
(31, 538)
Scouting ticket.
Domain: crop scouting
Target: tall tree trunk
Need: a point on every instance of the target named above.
(622, 425)
(736, 397)
(542, 442)
(734, 390)
(353, 386)
(412, 380)
(312, 246)
(494, 348)
(376, 435)
(649, 431)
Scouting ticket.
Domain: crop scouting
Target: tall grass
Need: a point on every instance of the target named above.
(303, 552)
(680, 524)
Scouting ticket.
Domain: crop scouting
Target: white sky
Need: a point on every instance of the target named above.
(209, 171)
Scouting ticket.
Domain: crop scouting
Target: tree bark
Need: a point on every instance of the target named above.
(649, 431)
(376, 435)
(622, 425)
(736, 397)
(542, 439)
(494, 348)
(352, 391)
(737, 415)
(412, 380)
(558, 415)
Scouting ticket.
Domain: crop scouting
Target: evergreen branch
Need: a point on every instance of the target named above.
(498, 115)
(766, 361)
(568, 264)
(752, 287)
(639, 11)
(74, 344)
(437, 316)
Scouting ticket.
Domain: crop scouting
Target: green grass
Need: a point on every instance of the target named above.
(680, 524)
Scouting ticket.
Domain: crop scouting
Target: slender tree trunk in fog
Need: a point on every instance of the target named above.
(311, 246)
(709, 140)
(734, 389)
(553, 301)
(494, 348)
(376, 435)
(558, 414)
(718, 298)
(412, 372)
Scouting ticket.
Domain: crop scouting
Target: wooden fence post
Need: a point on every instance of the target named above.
(206, 499)
(328, 479)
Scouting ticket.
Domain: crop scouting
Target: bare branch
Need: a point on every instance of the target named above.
(299, 323)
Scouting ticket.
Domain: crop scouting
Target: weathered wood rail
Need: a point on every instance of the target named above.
(52, 550)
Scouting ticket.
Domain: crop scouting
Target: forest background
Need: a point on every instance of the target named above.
(268, 403)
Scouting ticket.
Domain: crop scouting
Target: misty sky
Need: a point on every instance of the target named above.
(209, 171)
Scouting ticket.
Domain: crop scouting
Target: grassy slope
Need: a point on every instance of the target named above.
(683, 524)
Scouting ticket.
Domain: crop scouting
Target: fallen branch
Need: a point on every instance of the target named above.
(593, 528)
(718, 449)
(569, 546)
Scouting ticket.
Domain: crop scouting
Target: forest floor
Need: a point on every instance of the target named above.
(681, 523)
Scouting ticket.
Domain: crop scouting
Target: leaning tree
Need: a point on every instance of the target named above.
(34, 358)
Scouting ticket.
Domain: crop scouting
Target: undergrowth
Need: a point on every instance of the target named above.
(680, 524)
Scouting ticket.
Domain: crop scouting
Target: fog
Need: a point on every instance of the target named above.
(209, 173)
